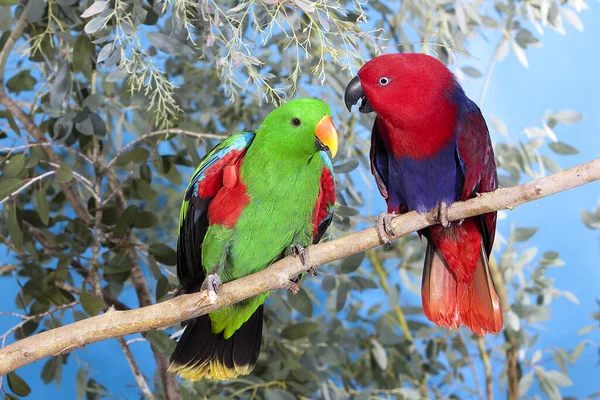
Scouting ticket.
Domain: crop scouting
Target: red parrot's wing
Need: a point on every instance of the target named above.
(476, 157)
(379, 161)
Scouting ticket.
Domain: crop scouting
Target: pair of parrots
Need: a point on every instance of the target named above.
(259, 196)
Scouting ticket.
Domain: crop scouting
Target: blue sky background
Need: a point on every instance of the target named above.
(561, 75)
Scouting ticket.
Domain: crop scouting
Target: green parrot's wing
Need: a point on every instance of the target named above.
(206, 181)
(323, 213)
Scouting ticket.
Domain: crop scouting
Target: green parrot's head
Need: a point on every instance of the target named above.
(301, 127)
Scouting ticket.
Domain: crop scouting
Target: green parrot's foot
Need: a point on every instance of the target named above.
(384, 228)
(299, 251)
(212, 283)
(292, 286)
(441, 214)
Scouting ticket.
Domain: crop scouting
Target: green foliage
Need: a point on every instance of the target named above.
(100, 199)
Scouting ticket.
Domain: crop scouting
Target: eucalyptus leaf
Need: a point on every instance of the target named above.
(91, 304)
(18, 385)
(301, 302)
(163, 253)
(42, 205)
(299, 330)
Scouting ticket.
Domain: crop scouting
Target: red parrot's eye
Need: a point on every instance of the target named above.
(296, 121)
(384, 81)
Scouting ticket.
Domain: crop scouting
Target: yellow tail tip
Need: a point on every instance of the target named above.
(210, 370)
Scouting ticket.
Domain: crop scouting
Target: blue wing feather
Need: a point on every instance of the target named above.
(236, 142)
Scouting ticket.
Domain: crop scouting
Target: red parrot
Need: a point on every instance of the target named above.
(430, 147)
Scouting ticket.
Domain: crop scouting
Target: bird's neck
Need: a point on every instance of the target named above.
(418, 137)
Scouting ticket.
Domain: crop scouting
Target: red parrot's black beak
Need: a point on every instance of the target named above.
(355, 92)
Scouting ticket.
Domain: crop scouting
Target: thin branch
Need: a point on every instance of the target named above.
(169, 381)
(163, 132)
(485, 358)
(401, 319)
(94, 276)
(50, 144)
(36, 316)
(28, 122)
(139, 378)
(25, 186)
(67, 338)
(488, 73)
(10, 43)
(5, 269)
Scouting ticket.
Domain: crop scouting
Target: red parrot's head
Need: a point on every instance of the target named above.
(402, 88)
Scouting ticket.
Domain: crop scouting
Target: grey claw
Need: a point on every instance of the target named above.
(299, 251)
(443, 214)
(384, 228)
(212, 283)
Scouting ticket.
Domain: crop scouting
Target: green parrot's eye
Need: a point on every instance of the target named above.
(296, 121)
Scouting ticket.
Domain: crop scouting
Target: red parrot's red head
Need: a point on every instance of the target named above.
(401, 86)
(414, 95)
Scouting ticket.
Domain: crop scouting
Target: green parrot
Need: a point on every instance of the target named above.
(254, 198)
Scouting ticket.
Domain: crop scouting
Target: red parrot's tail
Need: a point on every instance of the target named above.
(451, 299)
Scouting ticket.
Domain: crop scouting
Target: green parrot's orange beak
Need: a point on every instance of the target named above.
(327, 136)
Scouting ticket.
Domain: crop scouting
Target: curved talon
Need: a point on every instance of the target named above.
(384, 228)
(212, 283)
(299, 251)
(441, 214)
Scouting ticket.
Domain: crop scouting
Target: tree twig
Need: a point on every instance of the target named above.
(487, 367)
(67, 338)
(137, 374)
(25, 186)
(27, 121)
(163, 132)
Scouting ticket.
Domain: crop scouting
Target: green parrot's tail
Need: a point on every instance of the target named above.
(203, 354)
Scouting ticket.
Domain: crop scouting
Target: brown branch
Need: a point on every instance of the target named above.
(277, 276)
(401, 319)
(487, 367)
(163, 132)
(169, 380)
(28, 122)
(512, 359)
(137, 374)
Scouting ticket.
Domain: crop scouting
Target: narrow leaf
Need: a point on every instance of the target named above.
(42, 205)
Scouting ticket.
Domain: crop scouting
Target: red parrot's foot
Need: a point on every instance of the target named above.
(212, 283)
(299, 251)
(441, 214)
(384, 228)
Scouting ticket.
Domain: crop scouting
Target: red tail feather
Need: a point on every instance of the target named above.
(451, 302)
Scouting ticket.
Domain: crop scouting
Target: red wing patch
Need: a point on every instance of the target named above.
(214, 177)
(325, 200)
(230, 201)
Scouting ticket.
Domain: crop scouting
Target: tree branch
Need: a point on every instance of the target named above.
(169, 381)
(137, 374)
(487, 367)
(28, 122)
(163, 132)
(277, 276)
